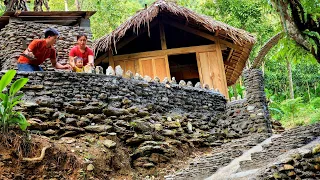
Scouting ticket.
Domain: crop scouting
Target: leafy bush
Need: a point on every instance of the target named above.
(315, 118)
(291, 106)
(276, 111)
(9, 100)
(316, 103)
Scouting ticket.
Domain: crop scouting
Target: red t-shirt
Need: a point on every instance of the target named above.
(41, 52)
(75, 51)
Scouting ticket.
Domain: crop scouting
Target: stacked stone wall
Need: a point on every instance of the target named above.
(248, 115)
(17, 31)
(144, 115)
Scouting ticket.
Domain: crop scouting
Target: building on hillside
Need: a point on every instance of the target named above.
(18, 29)
(166, 40)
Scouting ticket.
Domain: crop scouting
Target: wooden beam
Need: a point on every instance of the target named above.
(54, 21)
(50, 17)
(230, 54)
(101, 59)
(202, 34)
(162, 36)
(175, 51)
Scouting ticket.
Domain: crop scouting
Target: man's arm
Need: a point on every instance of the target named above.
(59, 66)
(30, 48)
(71, 61)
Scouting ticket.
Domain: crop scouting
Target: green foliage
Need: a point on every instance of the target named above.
(315, 103)
(9, 100)
(291, 106)
(315, 118)
(240, 91)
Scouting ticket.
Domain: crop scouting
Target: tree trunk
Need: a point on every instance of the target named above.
(262, 67)
(265, 49)
(77, 4)
(66, 5)
(309, 95)
(295, 21)
(290, 78)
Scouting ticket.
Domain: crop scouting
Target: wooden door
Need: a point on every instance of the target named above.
(155, 66)
(211, 71)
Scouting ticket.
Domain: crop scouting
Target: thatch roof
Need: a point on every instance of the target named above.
(144, 17)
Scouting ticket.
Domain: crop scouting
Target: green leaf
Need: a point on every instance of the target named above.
(14, 104)
(3, 96)
(6, 79)
(21, 120)
(17, 98)
(17, 85)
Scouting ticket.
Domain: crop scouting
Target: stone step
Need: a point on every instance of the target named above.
(291, 139)
(232, 168)
(205, 166)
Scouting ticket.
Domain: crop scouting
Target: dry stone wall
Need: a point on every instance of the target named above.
(248, 115)
(302, 165)
(17, 31)
(153, 118)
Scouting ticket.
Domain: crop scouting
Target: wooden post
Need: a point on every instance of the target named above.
(111, 61)
(222, 78)
(162, 36)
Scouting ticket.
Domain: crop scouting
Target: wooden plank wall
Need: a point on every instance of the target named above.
(209, 60)
(155, 66)
(211, 70)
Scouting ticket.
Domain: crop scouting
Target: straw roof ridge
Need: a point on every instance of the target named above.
(145, 16)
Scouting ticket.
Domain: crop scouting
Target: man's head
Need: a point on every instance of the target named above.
(51, 35)
(78, 62)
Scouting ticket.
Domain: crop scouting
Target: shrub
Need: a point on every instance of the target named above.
(316, 103)
(291, 107)
(315, 118)
(9, 100)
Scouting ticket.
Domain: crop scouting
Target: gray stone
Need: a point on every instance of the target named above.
(147, 78)
(110, 71)
(158, 127)
(189, 126)
(109, 143)
(250, 108)
(157, 79)
(198, 85)
(99, 70)
(119, 71)
(90, 167)
(129, 74)
(98, 128)
(173, 80)
(167, 132)
(189, 84)
(165, 80)
(182, 83)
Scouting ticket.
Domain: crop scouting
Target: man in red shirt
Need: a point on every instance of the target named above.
(38, 51)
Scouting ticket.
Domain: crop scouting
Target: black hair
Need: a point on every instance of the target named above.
(80, 35)
(77, 59)
(51, 32)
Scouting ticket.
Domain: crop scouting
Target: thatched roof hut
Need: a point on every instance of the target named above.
(235, 44)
